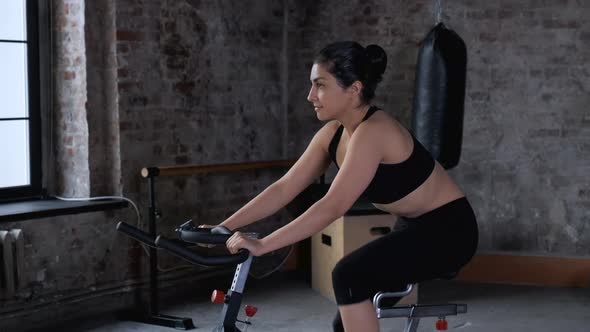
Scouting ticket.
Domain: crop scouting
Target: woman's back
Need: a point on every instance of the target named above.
(407, 182)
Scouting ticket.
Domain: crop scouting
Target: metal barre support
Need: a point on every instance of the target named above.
(153, 316)
(150, 172)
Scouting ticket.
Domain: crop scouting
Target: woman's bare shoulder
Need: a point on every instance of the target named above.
(385, 130)
(383, 122)
(324, 135)
(328, 130)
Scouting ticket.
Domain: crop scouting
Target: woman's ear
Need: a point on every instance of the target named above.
(356, 88)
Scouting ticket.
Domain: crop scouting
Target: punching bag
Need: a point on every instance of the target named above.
(439, 95)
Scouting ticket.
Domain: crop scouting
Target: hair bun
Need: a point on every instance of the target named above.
(377, 59)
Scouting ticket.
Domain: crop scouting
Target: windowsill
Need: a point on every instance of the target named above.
(35, 209)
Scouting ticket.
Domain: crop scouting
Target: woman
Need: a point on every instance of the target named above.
(437, 231)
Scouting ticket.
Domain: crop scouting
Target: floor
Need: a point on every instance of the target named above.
(288, 304)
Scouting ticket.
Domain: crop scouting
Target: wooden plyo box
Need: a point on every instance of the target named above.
(340, 238)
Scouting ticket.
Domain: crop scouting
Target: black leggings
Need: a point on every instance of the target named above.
(427, 247)
(418, 249)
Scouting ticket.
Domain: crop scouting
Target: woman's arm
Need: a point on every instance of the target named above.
(358, 169)
(313, 163)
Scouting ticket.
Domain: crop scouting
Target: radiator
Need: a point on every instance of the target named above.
(12, 249)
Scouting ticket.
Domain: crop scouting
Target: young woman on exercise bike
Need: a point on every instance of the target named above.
(437, 231)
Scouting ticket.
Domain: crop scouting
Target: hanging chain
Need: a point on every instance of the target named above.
(437, 11)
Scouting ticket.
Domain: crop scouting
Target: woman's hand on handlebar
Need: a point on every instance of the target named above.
(240, 241)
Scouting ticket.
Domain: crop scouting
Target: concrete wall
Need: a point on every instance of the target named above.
(178, 82)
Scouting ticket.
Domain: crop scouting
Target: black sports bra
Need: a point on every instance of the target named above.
(393, 181)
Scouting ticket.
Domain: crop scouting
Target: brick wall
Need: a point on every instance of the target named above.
(102, 108)
(528, 124)
(525, 156)
(223, 81)
(70, 124)
(199, 83)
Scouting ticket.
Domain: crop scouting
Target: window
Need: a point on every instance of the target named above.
(20, 127)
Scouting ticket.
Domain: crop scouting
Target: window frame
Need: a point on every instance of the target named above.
(35, 50)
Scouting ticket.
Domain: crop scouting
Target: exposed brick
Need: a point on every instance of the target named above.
(558, 72)
(481, 14)
(185, 88)
(181, 160)
(71, 178)
(480, 96)
(126, 35)
(547, 97)
(488, 36)
(122, 73)
(126, 86)
(124, 126)
(544, 133)
(356, 21)
(122, 48)
(535, 73)
(69, 75)
(372, 21)
(560, 24)
(190, 87)
(558, 60)
(504, 14)
(138, 101)
(415, 7)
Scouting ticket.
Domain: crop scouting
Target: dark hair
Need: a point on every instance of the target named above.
(349, 62)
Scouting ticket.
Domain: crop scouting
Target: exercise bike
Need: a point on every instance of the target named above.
(414, 312)
(189, 234)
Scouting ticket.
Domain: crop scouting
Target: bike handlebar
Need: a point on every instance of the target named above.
(203, 235)
(190, 233)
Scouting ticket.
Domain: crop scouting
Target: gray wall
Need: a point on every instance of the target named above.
(178, 82)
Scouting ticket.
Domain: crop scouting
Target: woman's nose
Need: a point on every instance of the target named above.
(311, 95)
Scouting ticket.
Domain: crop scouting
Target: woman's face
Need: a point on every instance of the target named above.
(328, 98)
